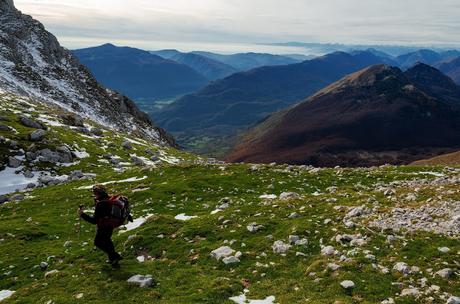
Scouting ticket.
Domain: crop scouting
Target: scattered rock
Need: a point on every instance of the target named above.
(230, 260)
(51, 273)
(13, 162)
(37, 135)
(254, 227)
(445, 273)
(71, 119)
(97, 132)
(3, 199)
(410, 292)
(402, 268)
(222, 252)
(17, 197)
(31, 123)
(347, 284)
(289, 196)
(127, 145)
(453, 300)
(294, 215)
(43, 265)
(280, 247)
(444, 249)
(142, 280)
(328, 250)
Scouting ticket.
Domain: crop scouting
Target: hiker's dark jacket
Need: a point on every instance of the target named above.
(102, 211)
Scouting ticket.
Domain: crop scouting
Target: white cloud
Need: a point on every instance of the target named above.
(163, 24)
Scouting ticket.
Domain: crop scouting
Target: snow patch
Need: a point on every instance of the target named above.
(135, 224)
(128, 180)
(4, 294)
(183, 217)
(241, 299)
(10, 181)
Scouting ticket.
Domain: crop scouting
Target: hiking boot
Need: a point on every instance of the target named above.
(115, 261)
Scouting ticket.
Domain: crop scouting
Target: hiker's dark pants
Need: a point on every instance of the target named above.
(103, 241)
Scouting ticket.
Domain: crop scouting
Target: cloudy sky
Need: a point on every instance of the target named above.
(236, 25)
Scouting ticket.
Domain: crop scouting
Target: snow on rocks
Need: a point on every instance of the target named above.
(183, 217)
(141, 280)
(5, 294)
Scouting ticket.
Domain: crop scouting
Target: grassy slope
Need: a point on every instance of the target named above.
(38, 227)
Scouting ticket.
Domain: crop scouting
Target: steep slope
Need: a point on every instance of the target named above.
(229, 105)
(33, 63)
(452, 69)
(248, 61)
(140, 74)
(371, 117)
(290, 232)
(434, 82)
(209, 68)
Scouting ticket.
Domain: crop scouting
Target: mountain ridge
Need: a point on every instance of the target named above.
(33, 63)
(370, 117)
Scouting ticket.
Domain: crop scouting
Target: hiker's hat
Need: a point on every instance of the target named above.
(99, 189)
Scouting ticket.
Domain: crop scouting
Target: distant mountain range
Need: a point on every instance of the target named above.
(248, 61)
(140, 74)
(452, 68)
(209, 68)
(375, 116)
(228, 106)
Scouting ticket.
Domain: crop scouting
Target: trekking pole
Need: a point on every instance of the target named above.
(79, 222)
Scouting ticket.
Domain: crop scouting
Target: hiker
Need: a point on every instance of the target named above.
(104, 220)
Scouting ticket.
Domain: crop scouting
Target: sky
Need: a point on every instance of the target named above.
(247, 25)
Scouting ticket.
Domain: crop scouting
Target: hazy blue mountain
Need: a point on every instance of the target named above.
(210, 68)
(452, 68)
(247, 61)
(139, 74)
(229, 105)
(424, 56)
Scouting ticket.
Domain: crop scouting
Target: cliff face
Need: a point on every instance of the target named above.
(33, 63)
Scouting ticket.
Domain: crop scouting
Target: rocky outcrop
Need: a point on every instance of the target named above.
(33, 63)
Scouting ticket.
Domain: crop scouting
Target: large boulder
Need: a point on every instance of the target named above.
(37, 135)
(13, 162)
(71, 119)
(31, 123)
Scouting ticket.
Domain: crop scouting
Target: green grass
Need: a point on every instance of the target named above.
(38, 227)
